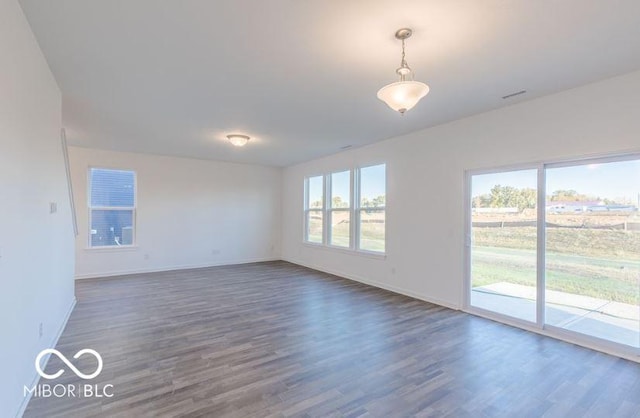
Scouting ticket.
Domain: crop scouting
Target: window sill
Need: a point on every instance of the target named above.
(114, 248)
(349, 251)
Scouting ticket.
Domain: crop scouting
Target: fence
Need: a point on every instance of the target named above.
(625, 226)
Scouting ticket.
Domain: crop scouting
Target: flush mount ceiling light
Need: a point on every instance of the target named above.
(406, 93)
(238, 140)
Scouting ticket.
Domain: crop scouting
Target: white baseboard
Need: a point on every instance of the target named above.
(363, 280)
(391, 288)
(172, 268)
(52, 344)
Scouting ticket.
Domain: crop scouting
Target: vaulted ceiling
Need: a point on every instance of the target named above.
(300, 77)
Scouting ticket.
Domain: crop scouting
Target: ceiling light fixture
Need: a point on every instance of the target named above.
(238, 140)
(406, 93)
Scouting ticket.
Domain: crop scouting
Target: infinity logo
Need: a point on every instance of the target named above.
(68, 363)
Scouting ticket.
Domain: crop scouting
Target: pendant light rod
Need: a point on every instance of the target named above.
(404, 70)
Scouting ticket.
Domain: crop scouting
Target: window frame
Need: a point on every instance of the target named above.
(308, 210)
(331, 209)
(355, 209)
(133, 210)
(359, 208)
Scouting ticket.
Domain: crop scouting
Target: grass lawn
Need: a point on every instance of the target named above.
(372, 230)
(372, 234)
(598, 263)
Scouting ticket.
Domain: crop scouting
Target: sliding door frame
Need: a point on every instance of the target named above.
(541, 244)
(539, 326)
(467, 307)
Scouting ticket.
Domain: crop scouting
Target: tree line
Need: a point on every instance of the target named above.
(337, 202)
(526, 198)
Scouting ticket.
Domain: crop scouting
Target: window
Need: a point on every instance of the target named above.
(353, 204)
(371, 213)
(314, 210)
(558, 245)
(112, 211)
(340, 209)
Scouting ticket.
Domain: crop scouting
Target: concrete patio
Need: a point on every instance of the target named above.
(614, 321)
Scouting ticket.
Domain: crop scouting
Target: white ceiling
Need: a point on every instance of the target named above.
(300, 77)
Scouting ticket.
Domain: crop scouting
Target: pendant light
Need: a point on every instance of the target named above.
(406, 93)
(238, 140)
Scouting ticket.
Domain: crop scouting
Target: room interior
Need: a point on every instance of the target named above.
(290, 238)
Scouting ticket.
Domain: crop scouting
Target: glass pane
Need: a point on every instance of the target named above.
(114, 188)
(503, 243)
(593, 250)
(315, 194)
(111, 227)
(372, 230)
(373, 186)
(314, 226)
(340, 227)
(340, 189)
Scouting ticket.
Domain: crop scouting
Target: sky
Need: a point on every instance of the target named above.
(613, 180)
(372, 181)
(315, 189)
(340, 185)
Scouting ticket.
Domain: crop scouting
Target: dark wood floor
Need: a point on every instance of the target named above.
(276, 339)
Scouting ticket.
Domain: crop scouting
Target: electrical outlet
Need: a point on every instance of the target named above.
(146, 256)
(215, 252)
(40, 330)
(53, 207)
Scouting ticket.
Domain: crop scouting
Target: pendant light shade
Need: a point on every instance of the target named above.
(406, 93)
(238, 140)
(403, 95)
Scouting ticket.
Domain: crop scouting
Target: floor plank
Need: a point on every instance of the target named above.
(276, 339)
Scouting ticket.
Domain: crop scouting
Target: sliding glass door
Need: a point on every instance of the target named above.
(571, 265)
(503, 243)
(593, 250)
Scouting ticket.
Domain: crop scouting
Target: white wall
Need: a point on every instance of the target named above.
(425, 177)
(190, 213)
(36, 247)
